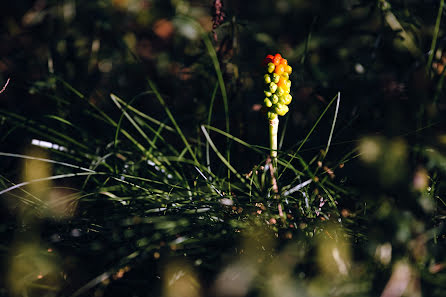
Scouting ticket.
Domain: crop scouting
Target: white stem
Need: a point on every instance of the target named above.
(273, 128)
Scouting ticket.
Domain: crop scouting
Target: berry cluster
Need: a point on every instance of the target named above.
(278, 85)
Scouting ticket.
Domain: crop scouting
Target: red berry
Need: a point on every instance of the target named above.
(268, 59)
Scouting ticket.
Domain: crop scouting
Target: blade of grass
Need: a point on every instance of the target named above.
(143, 115)
(29, 202)
(212, 53)
(44, 131)
(211, 106)
(221, 157)
(132, 121)
(333, 124)
(172, 119)
(309, 133)
(256, 148)
(54, 177)
(54, 117)
(234, 138)
(44, 160)
(109, 120)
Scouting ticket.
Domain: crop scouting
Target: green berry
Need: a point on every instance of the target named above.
(276, 78)
(267, 102)
(280, 91)
(267, 78)
(272, 87)
(275, 99)
(267, 93)
(271, 67)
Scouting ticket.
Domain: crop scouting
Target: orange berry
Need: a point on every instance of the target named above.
(284, 62)
(277, 59)
(279, 69)
(288, 69)
(282, 83)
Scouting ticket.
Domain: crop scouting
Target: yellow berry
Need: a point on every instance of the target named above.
(285, 75)
(281, 109)
(287, 99)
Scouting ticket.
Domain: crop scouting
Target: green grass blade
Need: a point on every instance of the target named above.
(43, 130)
(234, 138)
(309, 133)
(143, 115)
(220, 156)
(172, 119)
(211, 106)
(132, 121)
(64, 121)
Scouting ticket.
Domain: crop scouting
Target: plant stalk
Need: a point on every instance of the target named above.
(273, 128)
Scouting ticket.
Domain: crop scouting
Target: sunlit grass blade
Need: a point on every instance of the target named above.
(209, 183)
(26, 201)
(44, 160)
(54, 177)
(333, 124)
(64, 121)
